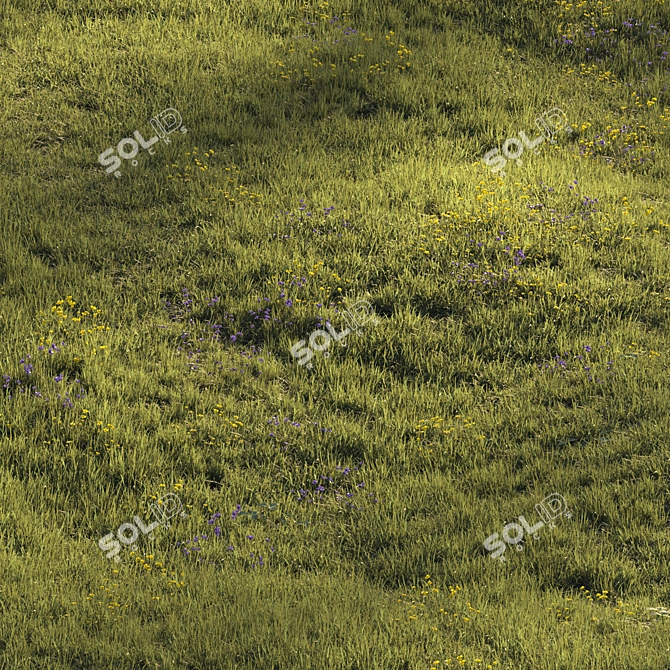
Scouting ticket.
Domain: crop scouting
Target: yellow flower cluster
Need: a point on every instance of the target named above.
(592, 71)
(99, 425)
(402, 51)
(428, 595)
(424, 603)
(108, 596)
(461, 660)
(234, 191)
(177, 487)
(148, 564)
(589, 9)
(424, 424)
(565, 614)
(428, 429)
(233, 424)
(629, 148)
(302, 74)
(60, 319)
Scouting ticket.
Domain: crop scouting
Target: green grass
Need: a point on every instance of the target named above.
(462, 409)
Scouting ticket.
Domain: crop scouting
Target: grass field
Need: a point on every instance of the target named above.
(310, 161)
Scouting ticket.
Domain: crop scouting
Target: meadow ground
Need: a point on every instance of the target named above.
(371, 507)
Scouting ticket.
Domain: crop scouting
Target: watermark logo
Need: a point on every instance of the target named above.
(549, 124)
(167, 122)
(163, 124)
(357, 316)
(552, 507)
(167, 508)
(163, 510)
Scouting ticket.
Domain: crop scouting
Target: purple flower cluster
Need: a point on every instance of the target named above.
(579, 363)
(259, 516)
(305, 222)
(469, 274)
(190, 546)
(211, 332)
(627, 154)
(586, 209)
(274, 423)
(21, 385)
(603, 44)
(27, 367)
(255, 351)
(53, 349)
(186, 550)
(349, 34)
(487, 278)
(217, 530)
(339, 486)
(179, 311)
